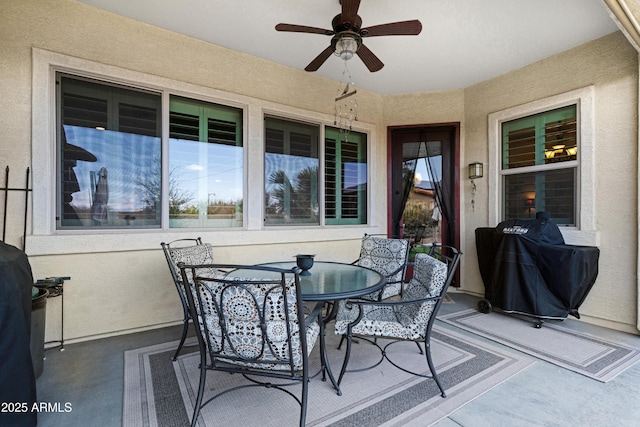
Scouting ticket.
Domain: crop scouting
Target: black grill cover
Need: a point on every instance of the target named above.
(527, 268)
(17, 380)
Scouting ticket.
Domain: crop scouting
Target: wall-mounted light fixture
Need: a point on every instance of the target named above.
(475, 170)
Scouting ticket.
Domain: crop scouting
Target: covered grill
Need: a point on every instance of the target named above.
(528, 269)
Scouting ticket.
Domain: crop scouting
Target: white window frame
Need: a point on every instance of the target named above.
(584, 233)
(44, 239)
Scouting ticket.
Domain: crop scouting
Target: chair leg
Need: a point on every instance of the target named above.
(203, 377)
(419, 348)
(185, 330)
(346, 356)
(427, 347)
(341, 341)
(324, 361)
(303, 401)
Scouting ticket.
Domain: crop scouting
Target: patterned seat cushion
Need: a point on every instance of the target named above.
(387, 257)
(404, 321)
(242, 307)
(194, 255)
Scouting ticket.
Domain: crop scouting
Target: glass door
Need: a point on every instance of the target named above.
(424, 185)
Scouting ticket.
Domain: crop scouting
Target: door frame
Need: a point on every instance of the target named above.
(454, 128)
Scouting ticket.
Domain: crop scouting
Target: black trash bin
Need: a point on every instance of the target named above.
(38, 322)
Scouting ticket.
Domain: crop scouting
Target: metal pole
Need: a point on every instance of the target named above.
(6, 196)
(26, 208)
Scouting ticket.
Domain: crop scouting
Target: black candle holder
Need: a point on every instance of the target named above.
(304, 262)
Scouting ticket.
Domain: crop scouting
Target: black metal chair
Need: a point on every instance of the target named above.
(194, 253)
(252, 326)
(408, 319)
(387, 256)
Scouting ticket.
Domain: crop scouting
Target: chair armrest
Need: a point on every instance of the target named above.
(393, 273)
(390, 303)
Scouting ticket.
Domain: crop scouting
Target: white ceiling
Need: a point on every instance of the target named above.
(462, 42)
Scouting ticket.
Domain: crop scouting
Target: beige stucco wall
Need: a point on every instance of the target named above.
(120, 282)
(610, 64)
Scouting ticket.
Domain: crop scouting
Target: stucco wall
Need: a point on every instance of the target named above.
(610, 64)
(120, 281)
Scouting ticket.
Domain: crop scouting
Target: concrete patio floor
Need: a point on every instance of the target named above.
(89, 376)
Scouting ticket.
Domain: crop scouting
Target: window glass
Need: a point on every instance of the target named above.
(539, 165)
(291, 172)
(109, 156)
(345, 177)
(110, 167)
(205, 164)
(540, 139)
(552, 191)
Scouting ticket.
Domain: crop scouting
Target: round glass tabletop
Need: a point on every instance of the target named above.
(328, 280)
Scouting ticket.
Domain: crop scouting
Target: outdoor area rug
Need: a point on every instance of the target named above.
(580, 352)
(159, 392)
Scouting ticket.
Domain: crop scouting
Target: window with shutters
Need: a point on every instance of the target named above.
(134, 158)
(345, 178)
(205, 164)
(293, 175)
(111, 154)
(291, 165)
(539, 165)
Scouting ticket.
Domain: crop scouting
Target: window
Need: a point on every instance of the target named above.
(110, 159)
(205, 164)
(345, 178)
(110, 150)
(291, 172)
(539, 165)
(292, 163)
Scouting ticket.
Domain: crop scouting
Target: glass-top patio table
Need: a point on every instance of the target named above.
(329, 282)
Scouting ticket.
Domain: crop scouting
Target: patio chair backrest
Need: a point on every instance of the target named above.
(251, 322)
(196, 254)
(385, 255)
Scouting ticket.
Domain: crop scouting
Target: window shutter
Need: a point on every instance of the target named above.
(546, 145)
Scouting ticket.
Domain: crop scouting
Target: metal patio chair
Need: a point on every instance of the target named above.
(190, 251)
(408, 319)
(252, 326)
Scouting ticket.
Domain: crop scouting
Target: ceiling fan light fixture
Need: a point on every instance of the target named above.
(346, 47)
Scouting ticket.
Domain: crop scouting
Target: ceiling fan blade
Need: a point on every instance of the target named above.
(350, 10)
(404, 28)
(370, 60)
(319, 60)
(303, 29)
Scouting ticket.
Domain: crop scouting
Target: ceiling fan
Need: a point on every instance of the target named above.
(348, 34)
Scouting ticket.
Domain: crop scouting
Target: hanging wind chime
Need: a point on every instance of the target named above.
(345, 110)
